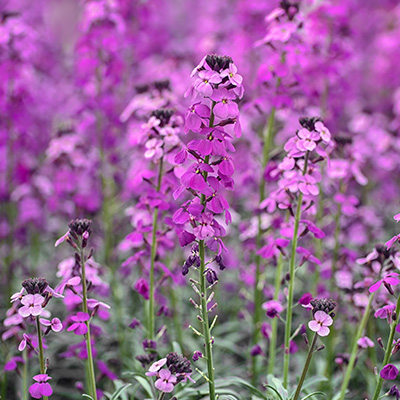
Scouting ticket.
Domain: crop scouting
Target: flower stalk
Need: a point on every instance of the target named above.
(151, 317)
(354, 348)
(288, 325)
(91, 378)
(388, 352)
(306, 366)
(41, 352)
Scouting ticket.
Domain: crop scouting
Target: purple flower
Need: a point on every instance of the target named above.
(12, 364)
(55, 324)
(389, 279)
(365, 342)
(79, 326)
(165, 382)
(32, 305)
(142, 287)
(272, 308)
(155, 367)
(225, 107)
(204, 83)
(320, 323)
(391, 241)
(41, 387)
(196, 355)
(154, 149)
(308, 185)
(389, 372)
(305, 299)
(233, 76)
(307, 140)
(323, 131)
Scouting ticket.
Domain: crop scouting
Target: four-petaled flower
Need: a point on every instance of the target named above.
(320, 323)
(79, 326)
(32, 305)
(165, 382)
(41, 387)
(55, 324)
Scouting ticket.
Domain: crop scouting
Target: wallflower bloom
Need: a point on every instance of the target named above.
(320, 323)
(41, 387)
(390, 279)
(55, 324)
(273, 308)
(365, 342)
(32, 305)
(155, 367)
(79, 326)
(166, 381)
(389, 372)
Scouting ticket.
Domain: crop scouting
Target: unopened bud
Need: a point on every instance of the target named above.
(305, 338)
(380, 342)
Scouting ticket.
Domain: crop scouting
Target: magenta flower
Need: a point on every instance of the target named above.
(26, 340)
(41, 387)
(323, 131)
(79, 326)
(390, 279)
(320, 323)
(225, 107)
(389, 372)
(142, 287)
(365, 342)
(272, 308)
(32, 305)
(203, 83)
(307, 140)
(393, 240)
(55, 324)
(233, 76)
(308, 185)
(165, 382)
(12, 364)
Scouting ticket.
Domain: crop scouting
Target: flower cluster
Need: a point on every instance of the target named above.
(178, 370)
(213, 117)
(322, 310)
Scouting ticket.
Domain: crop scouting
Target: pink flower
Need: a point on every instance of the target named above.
(79, 326)
(365, 342)
(155, 367)
(389, 279)
(308, 140)
(320, 323)
(41, 387)
(203, 83)
(391, 241)
(323, 131)
(225, 107)
(32, 305)
(153, 149)
(55, 324)
(232, 75)
(62, 239)
(166, 381)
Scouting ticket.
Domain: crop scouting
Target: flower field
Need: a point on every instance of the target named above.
(199, 199)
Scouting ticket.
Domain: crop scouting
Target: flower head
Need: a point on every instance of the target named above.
(32, 305)
(79, 326)
(165, 382)
(320, 323)
(41, 387)
(389, 372)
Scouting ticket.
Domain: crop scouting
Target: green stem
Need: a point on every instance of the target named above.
(25, 375)
(274, 328)
(354, 348)
(151, 318)
(306, 365)
(388, 352)
(89, 362)
(41, 352)
(205, 322)
(288, 326)
(258, 284)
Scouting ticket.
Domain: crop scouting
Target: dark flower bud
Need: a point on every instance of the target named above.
(80, 226)
(178, 364)
(35, 285)
(305, 338)
(162, 84)
(380, 342)
(309, 122)
(141, 88)
(394, 391)
(163, 115)
(211, 276)
(219, 260)
(256, 350)
(134, 324)
(326, 305)
(149, 344)
(218, 63)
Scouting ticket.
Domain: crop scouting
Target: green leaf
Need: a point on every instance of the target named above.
(316, 379)
(313, 394)
(120, 390)
(274, 390)
(88, 396)
(176, 347)
(141, 379)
